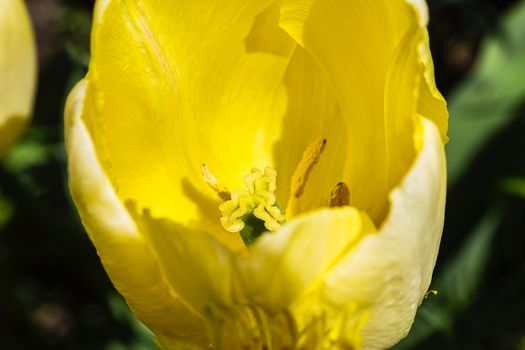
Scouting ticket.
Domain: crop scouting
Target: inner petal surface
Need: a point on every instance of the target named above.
(167, 93)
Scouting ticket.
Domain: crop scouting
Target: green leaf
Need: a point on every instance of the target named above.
(31, 151)
(462, 275)
(521, 345)
(514, 185)
(6, 211)
(488, 100)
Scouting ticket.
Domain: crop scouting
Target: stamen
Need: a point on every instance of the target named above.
(212, 181)
(253, 209)
(340, 195)
(311, 157)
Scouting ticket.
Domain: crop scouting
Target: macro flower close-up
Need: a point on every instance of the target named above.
(17, 71)
(263, 174)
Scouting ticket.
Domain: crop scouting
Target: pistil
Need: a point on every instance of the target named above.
(253, 209)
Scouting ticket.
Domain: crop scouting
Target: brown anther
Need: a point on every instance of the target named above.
(340, 195)
(310, 158)
(212, 181)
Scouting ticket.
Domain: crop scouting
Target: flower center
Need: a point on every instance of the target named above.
(253, 209)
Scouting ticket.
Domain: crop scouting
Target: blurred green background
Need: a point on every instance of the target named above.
(54, 294)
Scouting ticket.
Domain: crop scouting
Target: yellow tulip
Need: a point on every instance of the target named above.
(262, 174)
(17, 70)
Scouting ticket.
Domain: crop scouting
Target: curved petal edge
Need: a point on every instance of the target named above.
(18, 69)
(128, 259)
(388, 274)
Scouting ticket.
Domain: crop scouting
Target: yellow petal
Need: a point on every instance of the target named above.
(130, 262)
(203, 272)
(283, 265)
(401, 96)
(313, 113)
(389, 273)
(17, 70)
(196, 265)
(432, 104)
(422, 10)
(172, 108)
(280, 268)
(357, 57)
(178, 84)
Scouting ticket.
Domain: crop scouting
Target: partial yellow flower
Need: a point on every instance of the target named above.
(17, 70)
(263, 174)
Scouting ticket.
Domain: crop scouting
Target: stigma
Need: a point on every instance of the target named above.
(253, 209)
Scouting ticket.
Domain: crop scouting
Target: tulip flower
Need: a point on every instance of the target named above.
(17, 70)
(262, 174)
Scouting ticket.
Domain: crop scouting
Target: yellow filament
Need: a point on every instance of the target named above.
(212, 181)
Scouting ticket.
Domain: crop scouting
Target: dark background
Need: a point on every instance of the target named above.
(54, 293)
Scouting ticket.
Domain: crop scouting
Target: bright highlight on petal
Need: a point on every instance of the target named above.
(219, 113)
(17, 70)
